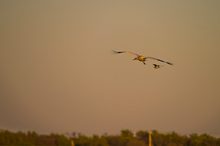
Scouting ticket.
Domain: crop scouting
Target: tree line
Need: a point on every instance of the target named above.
(125, 138)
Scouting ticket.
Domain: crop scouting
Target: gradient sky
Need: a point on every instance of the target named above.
(58, 73)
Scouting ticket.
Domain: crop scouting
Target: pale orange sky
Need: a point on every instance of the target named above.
(58, 73)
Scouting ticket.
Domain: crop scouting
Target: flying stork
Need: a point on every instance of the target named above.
(142, 58)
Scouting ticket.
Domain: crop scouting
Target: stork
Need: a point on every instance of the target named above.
(142, 58)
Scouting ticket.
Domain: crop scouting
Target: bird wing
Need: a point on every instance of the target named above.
(156, 66)
(118, 52)
(159, 60)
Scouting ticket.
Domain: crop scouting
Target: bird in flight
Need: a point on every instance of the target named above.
(142, 58)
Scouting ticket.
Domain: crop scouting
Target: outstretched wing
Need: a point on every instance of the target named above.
(118, 52)
(160, 60)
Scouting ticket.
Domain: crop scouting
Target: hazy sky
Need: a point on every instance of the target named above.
(58, 74)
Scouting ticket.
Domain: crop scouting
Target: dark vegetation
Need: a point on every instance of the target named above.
(125, 138)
